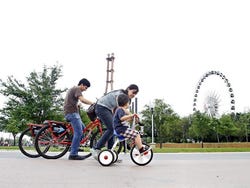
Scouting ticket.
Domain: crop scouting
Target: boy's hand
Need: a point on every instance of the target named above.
(135, 116)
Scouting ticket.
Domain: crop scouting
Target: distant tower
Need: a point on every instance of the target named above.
(110, 71)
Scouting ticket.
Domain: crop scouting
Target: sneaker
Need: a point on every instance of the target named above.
(128, 146)
(80, 149)
(144, 149)
(95, 153)
(78, 157)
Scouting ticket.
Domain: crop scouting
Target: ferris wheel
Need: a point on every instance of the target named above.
(218, 99)
(211, 104)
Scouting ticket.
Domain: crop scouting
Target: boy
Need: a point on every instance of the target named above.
(121, 123)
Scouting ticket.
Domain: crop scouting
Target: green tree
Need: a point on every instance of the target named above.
(35, 102)
(215, 124)
(166, 126)
(200, 127)
(227, 127)
(241, 122)
(185, 123)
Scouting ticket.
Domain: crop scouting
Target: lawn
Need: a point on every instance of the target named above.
(186, 150)
(170, 150)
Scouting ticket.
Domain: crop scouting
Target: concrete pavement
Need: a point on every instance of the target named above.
(179, 170)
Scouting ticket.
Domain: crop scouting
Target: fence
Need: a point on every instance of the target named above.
(205, 145)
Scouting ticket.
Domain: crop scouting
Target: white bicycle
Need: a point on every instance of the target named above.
(109, 156)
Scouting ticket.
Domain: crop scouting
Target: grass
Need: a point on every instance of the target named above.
(192, 150)
(171, 150)
(9, 148)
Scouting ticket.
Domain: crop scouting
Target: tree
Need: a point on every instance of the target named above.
(242, 123)
(185, 123)
(200, 127)
(227, 127)
(166, 122)
(35, 102)
(215, 124)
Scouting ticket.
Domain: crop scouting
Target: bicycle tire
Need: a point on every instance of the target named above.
(28, 149)
(52, 145)
(106, 157)
(140, 159)
(120, 147)
(94, 138)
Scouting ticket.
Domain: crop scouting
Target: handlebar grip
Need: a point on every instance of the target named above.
(141, 124)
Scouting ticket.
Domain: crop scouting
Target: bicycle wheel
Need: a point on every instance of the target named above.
(106, 157)
(26, 142)
(141, 159)
(56, 144)
(94, 138)
(97, 135)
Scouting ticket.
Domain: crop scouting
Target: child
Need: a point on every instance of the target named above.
(121, 123)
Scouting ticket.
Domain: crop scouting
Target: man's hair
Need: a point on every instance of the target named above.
(84, 82)
(122, 99)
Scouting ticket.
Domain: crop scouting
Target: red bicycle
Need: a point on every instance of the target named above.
(54, 139)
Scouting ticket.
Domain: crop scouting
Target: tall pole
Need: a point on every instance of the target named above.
(136, 105)
(152, 123)
(110, 71)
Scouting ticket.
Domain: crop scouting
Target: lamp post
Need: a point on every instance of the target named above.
(152, 123)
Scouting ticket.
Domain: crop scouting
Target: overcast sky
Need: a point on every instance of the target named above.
(162, 46)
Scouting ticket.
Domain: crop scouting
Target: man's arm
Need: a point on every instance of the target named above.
(85, 101)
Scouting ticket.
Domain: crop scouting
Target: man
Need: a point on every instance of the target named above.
(71, 111)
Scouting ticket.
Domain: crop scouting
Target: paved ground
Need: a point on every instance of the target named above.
(183, 170)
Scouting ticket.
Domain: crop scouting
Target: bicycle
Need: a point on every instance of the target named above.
(109, 156)
(27, 140)
(126, 144)
(54, 139)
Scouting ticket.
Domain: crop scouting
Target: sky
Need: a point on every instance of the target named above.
(164, 47)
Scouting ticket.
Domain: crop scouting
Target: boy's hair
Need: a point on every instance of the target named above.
(84, 82)
(122, 99)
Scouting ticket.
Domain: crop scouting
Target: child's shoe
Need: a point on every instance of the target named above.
(144, 149)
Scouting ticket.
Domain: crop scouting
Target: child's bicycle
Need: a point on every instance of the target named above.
(109, 156)
(54, 139)
(26, 142)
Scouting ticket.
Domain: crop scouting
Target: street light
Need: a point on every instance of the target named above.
(152, 123)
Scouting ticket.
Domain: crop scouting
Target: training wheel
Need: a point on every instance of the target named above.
(106, 157)
(115, 156)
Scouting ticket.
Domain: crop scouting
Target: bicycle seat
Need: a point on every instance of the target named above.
(120, 137)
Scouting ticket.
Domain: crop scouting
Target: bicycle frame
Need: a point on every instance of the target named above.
(69, 129)
(90, 127)
(56, 134)
(34, 128)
